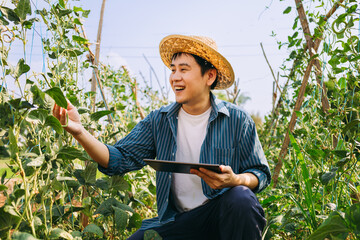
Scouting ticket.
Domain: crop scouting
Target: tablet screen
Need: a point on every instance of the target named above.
(179, 167)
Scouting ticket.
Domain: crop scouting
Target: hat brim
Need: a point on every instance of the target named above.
(178, 43)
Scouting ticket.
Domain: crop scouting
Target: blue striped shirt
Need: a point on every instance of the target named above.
(231, 139)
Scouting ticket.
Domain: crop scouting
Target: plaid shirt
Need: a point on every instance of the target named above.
(231, 139)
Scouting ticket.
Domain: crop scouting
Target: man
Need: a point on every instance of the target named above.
(196, 128)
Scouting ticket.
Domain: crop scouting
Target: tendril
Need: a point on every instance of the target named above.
(6, 34)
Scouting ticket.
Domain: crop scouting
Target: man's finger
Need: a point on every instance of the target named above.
(56, 111)
(69, 106)
(63, 117)
(225, 169)
(210, 173)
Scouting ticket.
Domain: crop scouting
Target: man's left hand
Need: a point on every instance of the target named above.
(227, 178)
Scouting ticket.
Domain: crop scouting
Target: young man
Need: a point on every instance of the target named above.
(196, 128)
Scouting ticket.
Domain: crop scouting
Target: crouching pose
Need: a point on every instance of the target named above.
(197, 128)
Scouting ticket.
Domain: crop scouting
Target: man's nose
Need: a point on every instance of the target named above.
(176, 76)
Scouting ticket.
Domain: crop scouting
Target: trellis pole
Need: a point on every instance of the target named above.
(312, 46)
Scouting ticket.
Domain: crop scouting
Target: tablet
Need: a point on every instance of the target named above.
(179, 167)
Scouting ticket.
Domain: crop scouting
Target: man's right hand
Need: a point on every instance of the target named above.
(69, 118)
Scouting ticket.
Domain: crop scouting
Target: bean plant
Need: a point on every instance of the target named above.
(58, 192)
(318, 193)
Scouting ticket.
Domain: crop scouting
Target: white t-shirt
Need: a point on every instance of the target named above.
(186, 188)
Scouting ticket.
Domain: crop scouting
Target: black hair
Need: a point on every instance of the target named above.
(204, 65)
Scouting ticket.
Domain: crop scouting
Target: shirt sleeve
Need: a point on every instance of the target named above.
(253, 159)
(128, 153)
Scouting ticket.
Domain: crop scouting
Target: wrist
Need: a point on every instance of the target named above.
(78, 135)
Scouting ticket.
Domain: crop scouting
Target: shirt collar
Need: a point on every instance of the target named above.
(218, 106)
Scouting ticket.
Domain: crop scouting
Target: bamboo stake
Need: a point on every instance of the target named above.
(97, 55)
(134, 89)
(272, 72)
(297, 107)
(312, 47)
(95, 77)
(312, 51)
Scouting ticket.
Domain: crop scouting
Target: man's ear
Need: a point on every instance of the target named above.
(211, 76)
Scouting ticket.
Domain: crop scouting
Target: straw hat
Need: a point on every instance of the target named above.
(203, 47)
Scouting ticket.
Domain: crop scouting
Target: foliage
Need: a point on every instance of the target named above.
(319, 186)
(58, 184)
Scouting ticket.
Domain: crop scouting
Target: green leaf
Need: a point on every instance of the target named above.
(306, 178)
(23, 8)
(352, 216)
(38, 95)
(121, 218)
(118, 183)
(22, 236)
(340, 153)
(99, 114)
(57, 233)
(3, 187)
(56, 185)
(13, 143)
(29, 23)
(334, 224)
(58, 96)
(287, 10)
(89, 173)
(64, 12)
(61, 3)
(11, 210)
(94, 229)
(71, 153)
(106, 209)
(73, 52)
(4, 152)
(135, 221)
(78, 174)
(316, 153)
(326, 177)
(77, 9)
(37, 115)
(102, 184)
(7, 220)
(342, 83)
(53, 122)
(10, 14)
(3, 22)
(21, 68)
(353, 124)
(151, 235)
(76, 234)
(18, 193)
(36, 162)
(79, 39)
(77, 21)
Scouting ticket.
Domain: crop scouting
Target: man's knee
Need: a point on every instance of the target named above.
(240, 199)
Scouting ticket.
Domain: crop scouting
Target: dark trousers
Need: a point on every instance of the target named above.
(236, 214)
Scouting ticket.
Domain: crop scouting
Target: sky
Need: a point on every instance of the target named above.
(134, 29)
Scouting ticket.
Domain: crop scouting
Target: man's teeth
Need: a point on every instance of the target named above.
(179, 88)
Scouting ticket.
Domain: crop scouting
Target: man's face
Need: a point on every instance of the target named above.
(190, 87)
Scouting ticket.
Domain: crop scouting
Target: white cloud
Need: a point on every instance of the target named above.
(114, 59)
